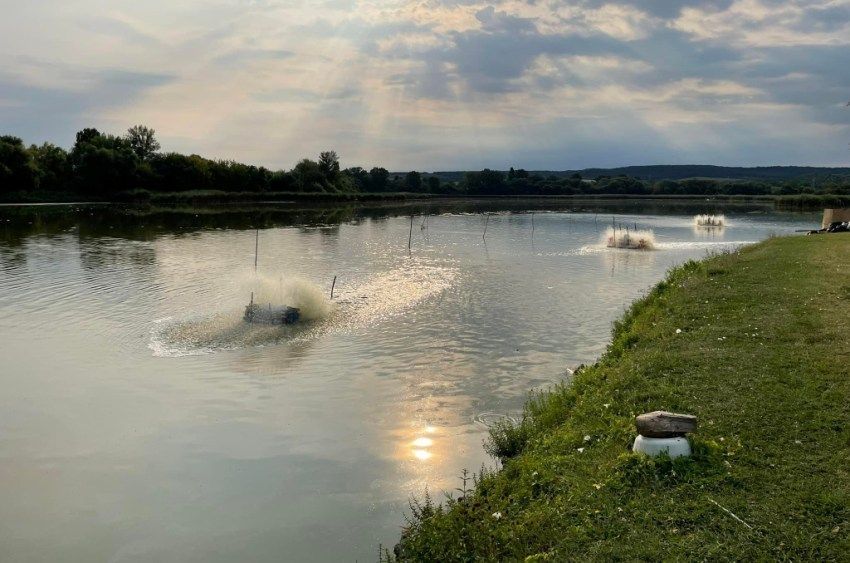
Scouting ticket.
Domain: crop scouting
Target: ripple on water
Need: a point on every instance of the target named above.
(491, 419)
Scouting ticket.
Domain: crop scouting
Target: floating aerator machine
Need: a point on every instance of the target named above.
(280, 315)
(268, 314)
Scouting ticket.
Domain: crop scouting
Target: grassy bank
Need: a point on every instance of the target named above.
(757, 344)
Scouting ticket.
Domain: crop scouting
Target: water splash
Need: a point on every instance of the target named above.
(293, 292)
(360, 304)
(634, 240)
(709, 220)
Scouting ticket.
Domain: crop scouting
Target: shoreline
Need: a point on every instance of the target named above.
(221, 198)
(755, 344)
(804, 202)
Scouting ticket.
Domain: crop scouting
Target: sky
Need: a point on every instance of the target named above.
(439, 84)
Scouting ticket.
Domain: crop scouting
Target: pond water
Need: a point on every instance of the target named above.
(141, 419)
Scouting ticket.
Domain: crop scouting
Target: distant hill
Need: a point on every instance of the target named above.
(683, 171)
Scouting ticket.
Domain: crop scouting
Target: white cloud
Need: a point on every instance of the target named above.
(755, 23)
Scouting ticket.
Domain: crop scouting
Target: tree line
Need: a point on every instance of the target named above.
(106, 166)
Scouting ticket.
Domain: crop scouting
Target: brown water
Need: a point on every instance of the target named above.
(142, 420)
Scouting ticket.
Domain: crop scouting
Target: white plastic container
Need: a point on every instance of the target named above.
(674, 447)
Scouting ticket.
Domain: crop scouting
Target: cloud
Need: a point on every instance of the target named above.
(248, 56)
(441, 83)
(40, 113)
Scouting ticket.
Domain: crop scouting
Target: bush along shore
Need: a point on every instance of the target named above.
(756, 343)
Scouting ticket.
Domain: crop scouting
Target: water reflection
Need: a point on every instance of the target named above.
(132, 388)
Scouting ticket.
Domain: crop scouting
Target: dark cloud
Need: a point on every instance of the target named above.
(36, 113)
(663, 8)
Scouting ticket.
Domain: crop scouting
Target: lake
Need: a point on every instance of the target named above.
(142, 420)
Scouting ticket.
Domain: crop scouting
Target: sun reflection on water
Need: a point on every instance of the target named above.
(422, 442)
(422, 455)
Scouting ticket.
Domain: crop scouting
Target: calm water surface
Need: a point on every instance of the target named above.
(141, 420)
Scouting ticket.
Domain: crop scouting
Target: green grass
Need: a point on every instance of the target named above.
(763, 359)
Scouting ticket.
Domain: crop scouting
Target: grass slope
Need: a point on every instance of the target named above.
(763, 358)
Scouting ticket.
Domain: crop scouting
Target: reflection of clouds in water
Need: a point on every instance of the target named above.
(378, 298)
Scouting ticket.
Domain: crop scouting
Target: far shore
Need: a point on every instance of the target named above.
(201, 198)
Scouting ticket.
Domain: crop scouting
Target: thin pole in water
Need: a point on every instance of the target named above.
(333, 285)
(410, 236)
(532, 223)
(256, 249)
(486, 222)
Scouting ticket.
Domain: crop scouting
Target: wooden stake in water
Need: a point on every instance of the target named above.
(333, 285)
(256, 249)
(532, 224)
(486, 222)
(410, 236)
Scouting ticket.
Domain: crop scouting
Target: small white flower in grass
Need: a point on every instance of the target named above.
(798, 442)
(597, 486)
(606, 405)
(587, 438)
(678, 331)
(580, 450)
(497, 515)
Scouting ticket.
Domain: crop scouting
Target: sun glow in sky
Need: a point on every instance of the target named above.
(439, 84)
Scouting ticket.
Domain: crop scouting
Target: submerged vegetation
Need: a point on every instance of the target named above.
(130, 167)
(754, 343)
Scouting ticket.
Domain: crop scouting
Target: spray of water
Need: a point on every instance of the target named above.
(709, 220)
(278, 291)
(359, 303)
(624, 238)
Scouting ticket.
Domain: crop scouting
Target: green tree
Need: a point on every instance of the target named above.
(87, 135)
(433, 184)
(143, 141)
(485, 182)
(103, 164)
(413, 181)
(309, 176)
(359, 177)
(329, 165)
(17, 170)
(52, 167)
(378, 179)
